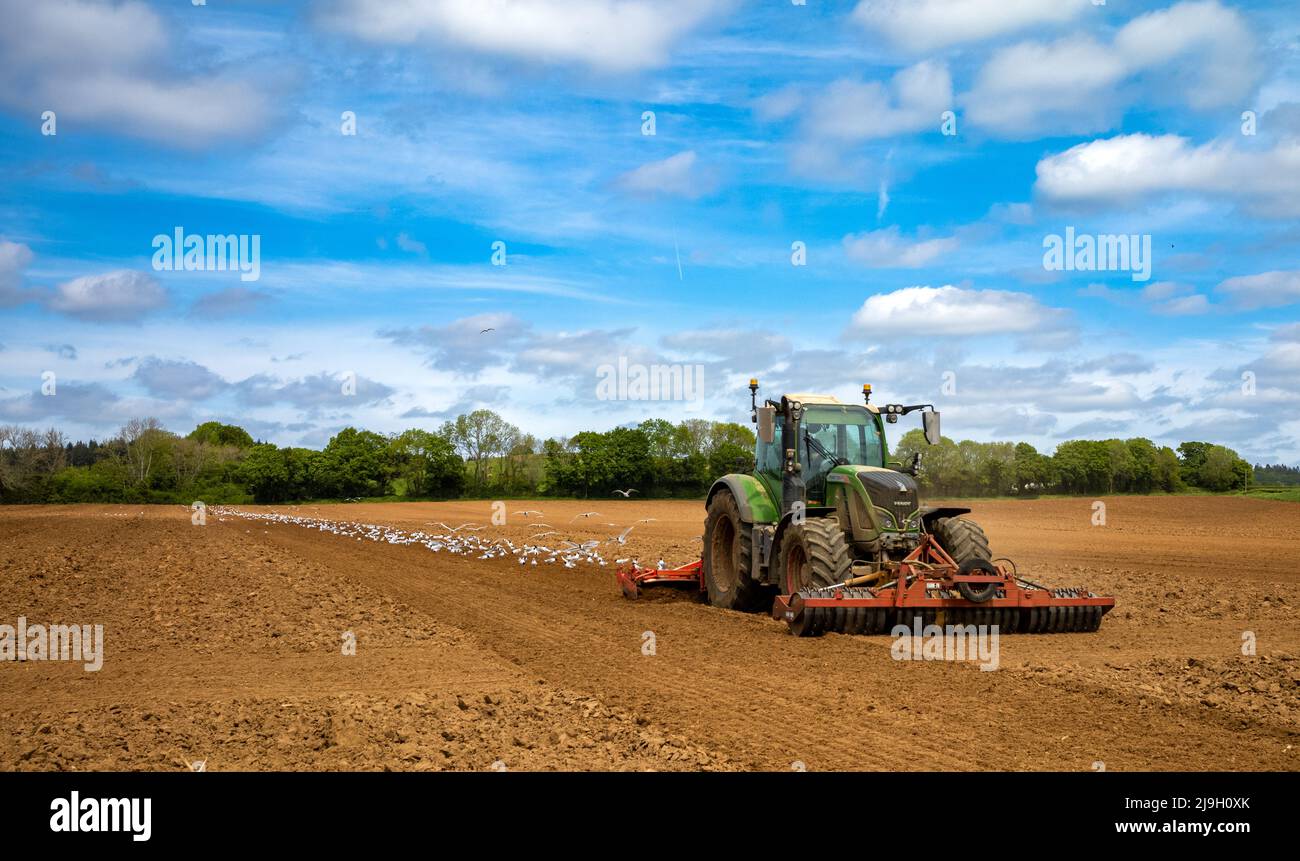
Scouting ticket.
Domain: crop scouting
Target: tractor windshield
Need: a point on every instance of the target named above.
(847, 432)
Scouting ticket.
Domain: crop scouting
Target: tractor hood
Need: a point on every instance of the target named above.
(892, 492)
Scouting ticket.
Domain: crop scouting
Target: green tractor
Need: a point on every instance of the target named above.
(823, 504)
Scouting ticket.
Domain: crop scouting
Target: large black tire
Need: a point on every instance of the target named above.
(728, 551)
(812, 555)
(966, 543)
(963, 540)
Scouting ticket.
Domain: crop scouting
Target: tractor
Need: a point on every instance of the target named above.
(832, 536)
(823, 501)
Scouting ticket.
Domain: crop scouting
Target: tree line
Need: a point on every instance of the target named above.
(969, 468)
(480, 454)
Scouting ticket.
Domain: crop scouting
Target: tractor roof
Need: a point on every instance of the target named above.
(806, 398)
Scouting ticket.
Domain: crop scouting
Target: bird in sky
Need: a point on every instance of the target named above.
(485, 331)
(627, 494)
(621, 538)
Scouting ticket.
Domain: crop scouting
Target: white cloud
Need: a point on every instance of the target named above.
(1265, 290)
(1201, 53)
(1168, 298)
(675, 176)
(1127, 168)
(850, 111)
(949, 310)
(14, 259)
(887, 248)
(112, 297)
(411, 246)
(110, 65)
(1183, 306)
(608, 35)
(178, 380)
(922, 25)
(1065, 85)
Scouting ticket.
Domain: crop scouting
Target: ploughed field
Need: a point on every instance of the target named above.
(224, 645)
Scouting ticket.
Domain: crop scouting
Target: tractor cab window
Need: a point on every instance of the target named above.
(769, 456)
(849, 433)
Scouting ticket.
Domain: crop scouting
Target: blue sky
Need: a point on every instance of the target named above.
(774, 124)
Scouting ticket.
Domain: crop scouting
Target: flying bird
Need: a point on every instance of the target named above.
(621, 538)
(645, 520)
(485, 331)
(587, 514)
(473, 527)
(529, 513)
(627, 494)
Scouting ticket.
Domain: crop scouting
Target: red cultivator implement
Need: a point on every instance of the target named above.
(928, 585)
(632, 578)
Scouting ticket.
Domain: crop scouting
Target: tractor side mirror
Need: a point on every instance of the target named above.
(930, 421)
(767, 424)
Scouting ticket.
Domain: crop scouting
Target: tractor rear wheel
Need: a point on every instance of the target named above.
(727, 556)
(963, 540)
(813, 554)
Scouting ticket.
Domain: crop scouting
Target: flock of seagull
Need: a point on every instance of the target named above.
(460, 540)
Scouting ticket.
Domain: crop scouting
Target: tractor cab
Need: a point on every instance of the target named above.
(831, 434)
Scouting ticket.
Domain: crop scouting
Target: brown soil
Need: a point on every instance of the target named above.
(224, 645)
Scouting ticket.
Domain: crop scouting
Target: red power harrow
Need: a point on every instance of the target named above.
(927, 584)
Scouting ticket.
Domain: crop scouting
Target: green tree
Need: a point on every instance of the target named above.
(265, 472)
(1083, 466)
(428, 463)
(479, 436)
(356, 463)
(216, 433)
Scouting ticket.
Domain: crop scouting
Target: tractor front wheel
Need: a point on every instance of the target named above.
(964, 540)
(813, 554)
(727, 556)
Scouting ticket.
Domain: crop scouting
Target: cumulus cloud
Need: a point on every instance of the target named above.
(1167, 298)
(923, 25)
(120, 296)
(63, 351)
(949, 310)
(1202, 51)
(850, 111)
(726, 343)
(675, 176)
(178, 380)
(14, 260)
(111, 65)
(1120, 364)
(318, 391)
(467, 345)
(92, 403)
(1265, 290)
(607, 35)
(887, 248)
(231, 302)
(1128, 168)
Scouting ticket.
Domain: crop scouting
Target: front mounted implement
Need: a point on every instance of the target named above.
(928, 584)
